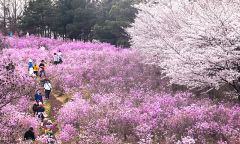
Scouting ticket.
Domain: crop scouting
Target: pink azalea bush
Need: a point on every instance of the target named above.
(151, 117)
(16, 90)
(105, 70)
(14, 124)
(15, 94)
(128, 101)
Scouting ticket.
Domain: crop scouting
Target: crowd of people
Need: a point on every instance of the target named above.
(38, 106)
(57, 58)
(16, 34)
(35, 70)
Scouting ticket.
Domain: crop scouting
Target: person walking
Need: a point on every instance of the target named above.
(29, 135)
(49, 128)
(45, 80)
(40, 112)
(60, 57)
(35, 69)
(16, 34)
(43, 67)
(35, 107)
(55, 59)
(40, 109)
(38, 97)
(48, 88)
(30, 67)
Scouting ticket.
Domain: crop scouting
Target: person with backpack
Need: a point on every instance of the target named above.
(30, 67)
(38, 97)
(55, 59)
(35, 69)
(40, 109)
(29, 135)
(35, 107)
(40, 112)
(49, 128)
(48, 88)
(43, 67)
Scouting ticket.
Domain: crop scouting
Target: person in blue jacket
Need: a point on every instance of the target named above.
(30, 64)
(38, 97)
(30, 67)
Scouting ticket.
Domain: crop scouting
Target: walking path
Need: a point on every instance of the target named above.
(52, 106)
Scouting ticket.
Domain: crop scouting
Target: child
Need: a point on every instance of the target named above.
(49, 128)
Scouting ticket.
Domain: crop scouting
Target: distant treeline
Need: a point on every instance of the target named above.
(84, 20)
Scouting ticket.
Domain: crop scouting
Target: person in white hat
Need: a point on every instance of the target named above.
(30, 67)
(49, 128)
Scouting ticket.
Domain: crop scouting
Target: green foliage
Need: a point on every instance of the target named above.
(37, 17)
(115, 16)
(81, 19)
(75, 18)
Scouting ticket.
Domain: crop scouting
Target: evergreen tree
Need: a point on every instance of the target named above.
(63, 16)
(81, 19)
(37, 17)
(115, 16)
(75, 18)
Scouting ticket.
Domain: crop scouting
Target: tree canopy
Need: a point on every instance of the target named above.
(196, 43)
(80, 19)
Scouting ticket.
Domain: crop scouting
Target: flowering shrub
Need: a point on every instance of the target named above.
(13, 124)
(196, 42)
(127, 101)
(68, 133)
(105, 70)
(151, 118)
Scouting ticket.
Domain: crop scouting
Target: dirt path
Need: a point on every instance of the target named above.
(52, 106)
(55, 106)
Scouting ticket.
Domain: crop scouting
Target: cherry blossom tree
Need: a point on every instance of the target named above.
(195, 42)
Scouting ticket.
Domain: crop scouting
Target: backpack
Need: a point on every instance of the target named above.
(42, 66)
(35, 107)
(40, 109)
